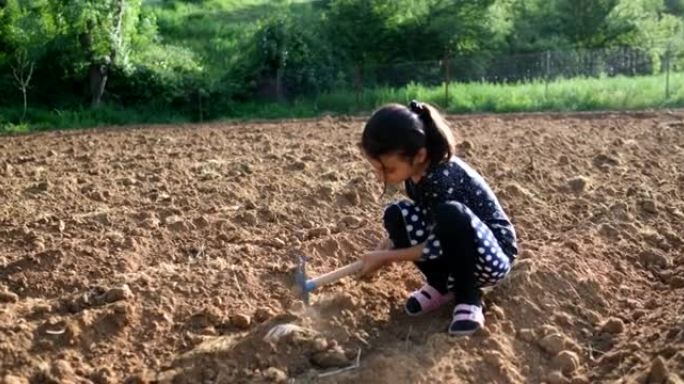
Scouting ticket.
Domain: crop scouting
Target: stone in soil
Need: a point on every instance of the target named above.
(613, 326)
(566, 361)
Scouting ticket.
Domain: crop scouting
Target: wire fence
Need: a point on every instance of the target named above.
(546, 67)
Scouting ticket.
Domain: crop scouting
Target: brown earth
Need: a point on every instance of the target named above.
(165, 253)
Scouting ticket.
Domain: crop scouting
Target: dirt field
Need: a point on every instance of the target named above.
(164, 254)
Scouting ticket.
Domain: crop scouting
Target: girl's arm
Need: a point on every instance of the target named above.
(405, 254)
(384, 245)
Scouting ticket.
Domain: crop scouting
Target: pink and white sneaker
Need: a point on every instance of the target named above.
(425, 300)
(467, 320)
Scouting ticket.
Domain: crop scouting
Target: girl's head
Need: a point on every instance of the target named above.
(399, 141)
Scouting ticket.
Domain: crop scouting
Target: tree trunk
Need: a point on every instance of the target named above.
(98, 71)
(24, 92)
(23, 71)
(358, 83)
(98, 80)
(447, 76)
(279, 85)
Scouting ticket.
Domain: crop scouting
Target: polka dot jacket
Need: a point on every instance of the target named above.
(457, 181)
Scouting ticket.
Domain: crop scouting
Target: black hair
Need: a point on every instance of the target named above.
(395, 128)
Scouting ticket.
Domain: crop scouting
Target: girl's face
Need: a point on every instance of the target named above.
(394, 168)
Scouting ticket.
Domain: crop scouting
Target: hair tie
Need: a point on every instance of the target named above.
(415, 107)
(419, 109)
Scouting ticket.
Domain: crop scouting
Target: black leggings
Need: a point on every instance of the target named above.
(460, 253)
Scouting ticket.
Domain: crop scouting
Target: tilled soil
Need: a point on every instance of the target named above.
(165, 254)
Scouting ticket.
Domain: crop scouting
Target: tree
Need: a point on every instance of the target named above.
(25, 30)
(469, 31)
(367, 33)
(357, 29)
(557, 24)
(22, 70)
(460, 26)
(675, 7)
(104, 30)
(272, 43)
(289, 55)
(644, 23)
(584, 22)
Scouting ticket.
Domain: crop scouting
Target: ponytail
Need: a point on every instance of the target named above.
(439, 141)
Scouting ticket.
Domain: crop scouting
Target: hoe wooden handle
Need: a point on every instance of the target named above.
(337, 274)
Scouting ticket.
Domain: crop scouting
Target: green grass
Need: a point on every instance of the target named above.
(38, 119)
(581, 94)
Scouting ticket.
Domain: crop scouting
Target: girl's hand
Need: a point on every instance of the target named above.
(373, 261)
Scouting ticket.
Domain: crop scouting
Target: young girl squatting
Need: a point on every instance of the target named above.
(453, 227)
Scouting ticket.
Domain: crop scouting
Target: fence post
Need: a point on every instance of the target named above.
(547, 73)
(279, 85)
(357, 84)
(667, 71)
(199, 102)
(447, 80)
